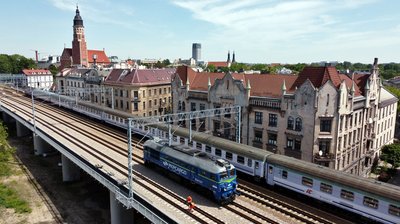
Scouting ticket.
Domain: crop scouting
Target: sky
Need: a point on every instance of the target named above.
(259, 31)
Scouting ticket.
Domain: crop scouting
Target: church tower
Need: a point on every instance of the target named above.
(79, 49)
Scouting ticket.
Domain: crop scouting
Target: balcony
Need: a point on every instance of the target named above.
(268, 103)
(293, 153)
(327, 157)
(135, 99)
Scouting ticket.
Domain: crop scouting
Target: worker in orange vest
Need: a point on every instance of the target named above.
(189, 200)
(191, 206)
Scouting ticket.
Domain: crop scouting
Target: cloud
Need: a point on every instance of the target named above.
(274, 25)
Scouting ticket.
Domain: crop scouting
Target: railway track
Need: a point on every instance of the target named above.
(122, 169)
(286, 209)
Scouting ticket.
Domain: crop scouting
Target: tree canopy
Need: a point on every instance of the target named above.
(391, 154)
(14, 64)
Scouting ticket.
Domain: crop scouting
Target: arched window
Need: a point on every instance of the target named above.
(290, 123)
(299, 124)
(179, 106)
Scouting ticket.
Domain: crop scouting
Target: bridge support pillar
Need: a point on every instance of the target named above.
(119, 214)
(22, 130)
(70, 171)
(39, 145)
(7, 118)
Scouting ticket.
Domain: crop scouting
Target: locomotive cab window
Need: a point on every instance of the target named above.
(326, 188)
(371, 202)
(284, 174)
(240, 159)
(256, 165)
(218, 152)
(307, 181)
(348, 195)
(228, 155)
(394, 210)
(232, 172)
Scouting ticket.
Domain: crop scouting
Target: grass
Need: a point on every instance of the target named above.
(9, 199)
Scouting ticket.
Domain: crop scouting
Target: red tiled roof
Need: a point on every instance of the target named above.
(218, 63)
(361, 81)
(36, 72)
(261, 85)
(349, 84)
(318, 76)
(101, 56)
(140, 76)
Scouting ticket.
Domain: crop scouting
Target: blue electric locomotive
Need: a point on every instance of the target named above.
(217, 176)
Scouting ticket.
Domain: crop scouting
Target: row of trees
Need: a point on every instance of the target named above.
(387, 71)
(263, 68)
(14, 64)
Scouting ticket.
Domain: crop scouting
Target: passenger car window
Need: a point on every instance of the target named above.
(371, 202)
(394, 210)
(326, 188)
(307, 181)
(284, 174)
(240, 159)
(218, 152)
(348, 195)
(228, 155)
(249, 162)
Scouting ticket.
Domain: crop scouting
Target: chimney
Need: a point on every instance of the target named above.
(37, 56)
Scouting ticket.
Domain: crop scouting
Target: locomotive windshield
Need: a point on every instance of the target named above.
(223, 175)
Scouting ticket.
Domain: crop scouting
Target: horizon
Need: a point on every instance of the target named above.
(258, 31)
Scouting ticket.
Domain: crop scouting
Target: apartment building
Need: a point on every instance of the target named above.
(142, 92)
(336, 120)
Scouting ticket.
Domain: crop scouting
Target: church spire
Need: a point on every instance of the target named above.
(233, 57)
(229, 57)
(78, 19)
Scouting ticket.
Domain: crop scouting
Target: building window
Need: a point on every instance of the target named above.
(135, 107)
(144, 93)
(150, 103)
(289, 143)
(149, 92)
(290, 123)
(324, 146)
(155, 92)
(297, 144)
(258, 117)
(348, 195)
(155, 102)
(325, 125)
(258, 136)
(273, 120)
(144, 105)
(299, 124)
(192, 106)
(272, 138)
(202, 106)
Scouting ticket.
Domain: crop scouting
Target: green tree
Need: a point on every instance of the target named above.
(211, 68)
(395, 91)
(166, 62)
(15, 63)
(391, 154)
(53, 69)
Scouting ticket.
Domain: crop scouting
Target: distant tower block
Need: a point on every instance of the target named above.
(196, 51)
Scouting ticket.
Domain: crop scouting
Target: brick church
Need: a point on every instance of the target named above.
(79, 55)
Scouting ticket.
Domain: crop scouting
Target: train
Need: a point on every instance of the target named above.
(216, 175)
(369, 198)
